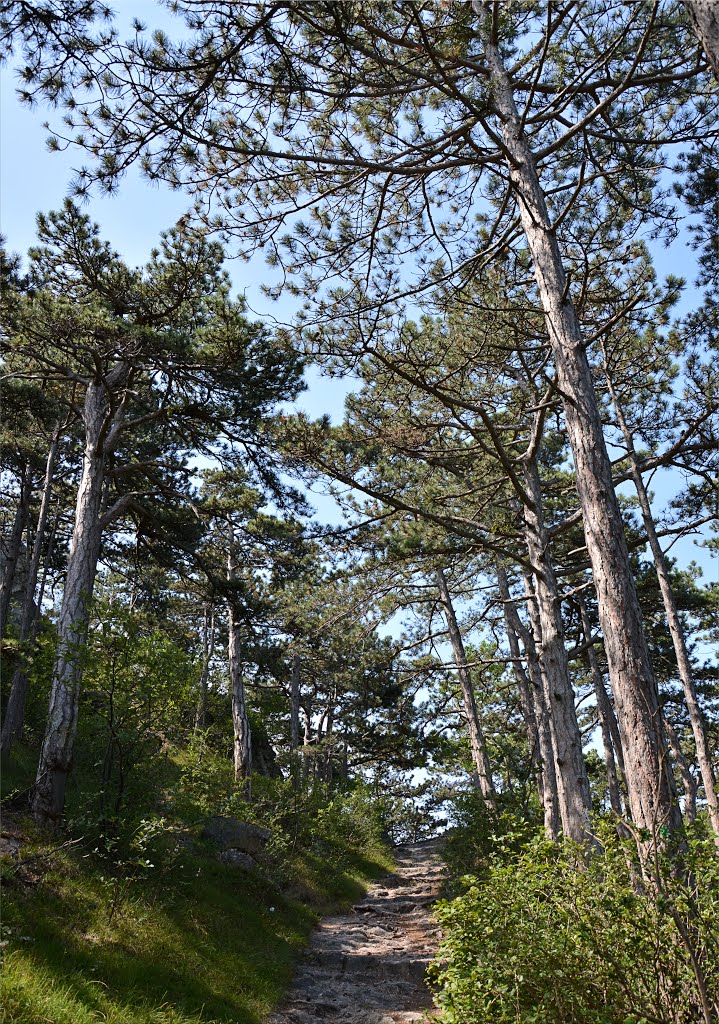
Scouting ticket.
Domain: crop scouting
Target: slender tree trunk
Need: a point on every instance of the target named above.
(689, 783)
(295, 703)
(306, 739)
(532, 639)
(13, 549)
(321, 725)
(14, 719)
(569, 766)
(242, 743)
(604, 711)
(295, 683)
(240, 722)
(328, 759)
(704, 757)
(43, 579)
(480, 759)
(650, 784)
(56, 754)
(705, 19)
(208, 649)
(201, 709)
(523, 685)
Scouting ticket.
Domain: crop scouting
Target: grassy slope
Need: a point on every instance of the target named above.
(200, 941)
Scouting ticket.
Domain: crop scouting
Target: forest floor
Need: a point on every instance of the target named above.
(368, 966)
(170, 934)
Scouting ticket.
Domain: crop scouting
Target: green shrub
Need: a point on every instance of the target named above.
(137, 923)
(478, 836)
(550, 937)
(135, 703)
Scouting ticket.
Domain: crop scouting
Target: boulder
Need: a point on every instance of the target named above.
(237, 859)
(10, 847)
(232, 834)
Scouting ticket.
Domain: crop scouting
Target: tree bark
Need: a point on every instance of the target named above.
(13, 549)
(689, 783)
(307, 731)
(329, 741)
(552, 817)
(676, 630)
(295, 683)
(650, 784)
(482, 767)
(533, 708)
(572, 782)
(208, 648)
(704, 15)
(242, 742)
(56, 754)
(14, 719)
(295, 703)
(306, 771)
(604, 712)
(240, 722)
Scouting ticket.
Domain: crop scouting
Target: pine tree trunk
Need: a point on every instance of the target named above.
(56, 754)
(306, 738)
(696, 718)
(705, 19)
(240, 722)
(569, 766)
(295, 683)
(617, 743)
(526, 699)
(650, 784)
(532, 639)
(13, 549)
(14, 719)
(604, 711)
(689, 783)
(295, 703)
(307, 729)
(329, 747)
(482, 767)
(242, 742)
(208, 648)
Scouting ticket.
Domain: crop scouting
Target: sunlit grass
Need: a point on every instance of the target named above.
(197, 941)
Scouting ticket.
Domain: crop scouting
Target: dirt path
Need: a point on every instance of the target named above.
(367, 967)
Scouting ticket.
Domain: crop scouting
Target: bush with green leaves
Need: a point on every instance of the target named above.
(36, 657)
(478, 835)
(321, 822)
(311, 816)
(550, 935)
(138, 699)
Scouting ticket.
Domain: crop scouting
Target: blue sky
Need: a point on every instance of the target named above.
(33, 179)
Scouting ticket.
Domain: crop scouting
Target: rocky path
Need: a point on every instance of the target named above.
(367, 967)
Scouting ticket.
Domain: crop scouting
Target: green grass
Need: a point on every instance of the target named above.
(196, 941)
(18, 772)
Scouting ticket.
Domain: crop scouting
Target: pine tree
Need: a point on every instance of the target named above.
(164, 348)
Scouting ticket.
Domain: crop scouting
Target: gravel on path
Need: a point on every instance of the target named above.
(368, 966)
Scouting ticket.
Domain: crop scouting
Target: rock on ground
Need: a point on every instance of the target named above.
(229, 833)
(368, 966)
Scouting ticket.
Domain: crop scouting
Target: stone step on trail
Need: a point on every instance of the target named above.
(368, 966)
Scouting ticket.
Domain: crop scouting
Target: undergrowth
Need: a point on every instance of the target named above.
(545, 933)
(133, 920)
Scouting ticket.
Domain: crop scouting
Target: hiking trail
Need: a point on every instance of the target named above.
(367, 966)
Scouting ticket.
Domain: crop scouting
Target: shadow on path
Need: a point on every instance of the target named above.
(368, 966)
